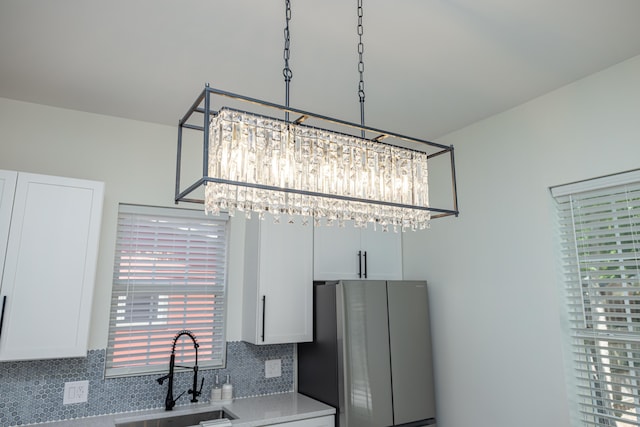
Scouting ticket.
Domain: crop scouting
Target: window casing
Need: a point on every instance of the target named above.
(170, 274)
(599, 229)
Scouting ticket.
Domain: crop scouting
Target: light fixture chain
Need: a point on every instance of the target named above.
(286, 71)
(361, 64)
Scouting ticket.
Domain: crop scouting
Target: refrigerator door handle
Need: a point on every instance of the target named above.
(360, 264)
(4, 303)
(264, 308)
(365, 264)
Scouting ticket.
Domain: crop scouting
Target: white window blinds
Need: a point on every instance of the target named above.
(600, 237)
(169, 275)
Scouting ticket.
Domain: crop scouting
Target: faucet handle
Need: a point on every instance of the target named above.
(196, 393)
(170, 402)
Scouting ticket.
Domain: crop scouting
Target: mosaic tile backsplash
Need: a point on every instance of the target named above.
(32, 392)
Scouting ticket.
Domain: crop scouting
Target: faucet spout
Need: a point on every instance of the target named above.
(170, 402)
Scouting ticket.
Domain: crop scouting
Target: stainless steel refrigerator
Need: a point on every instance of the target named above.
(371, 354)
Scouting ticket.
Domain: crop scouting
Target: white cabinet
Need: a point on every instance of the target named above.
(347, 253)
(7, 190)
(278, 282)
(326, 421)
(49, 265)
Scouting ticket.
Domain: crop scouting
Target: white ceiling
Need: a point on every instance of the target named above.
(431, 66)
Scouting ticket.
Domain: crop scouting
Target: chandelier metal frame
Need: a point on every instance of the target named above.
(198, 116)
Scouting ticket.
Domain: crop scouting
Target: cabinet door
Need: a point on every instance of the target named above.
(350, 253)
(50, 267)
(7, 190)
(278, 300)
(383, 254)
(286, 282)
(335, 253)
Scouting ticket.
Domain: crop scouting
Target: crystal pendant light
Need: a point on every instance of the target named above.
(256, 163)
(300, 170)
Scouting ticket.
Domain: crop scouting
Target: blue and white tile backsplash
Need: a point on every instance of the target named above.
(32, 392)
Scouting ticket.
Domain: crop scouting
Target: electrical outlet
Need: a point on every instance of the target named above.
(75, 392)
(273, 368)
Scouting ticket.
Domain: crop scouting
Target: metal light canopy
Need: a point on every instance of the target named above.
(289, 198)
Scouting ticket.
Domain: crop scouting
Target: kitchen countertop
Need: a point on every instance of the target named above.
(249, 412)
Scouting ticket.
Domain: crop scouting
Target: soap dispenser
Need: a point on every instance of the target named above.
(216, 391)
(227, 389)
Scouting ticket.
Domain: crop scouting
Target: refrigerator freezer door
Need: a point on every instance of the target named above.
(411, 365)
(319, 371)
(367, 376)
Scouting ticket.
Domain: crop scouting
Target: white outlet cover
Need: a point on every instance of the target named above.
(75, 392)
(273, 368)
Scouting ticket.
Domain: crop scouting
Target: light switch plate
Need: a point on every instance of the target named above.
(273, 368)
(75, 392)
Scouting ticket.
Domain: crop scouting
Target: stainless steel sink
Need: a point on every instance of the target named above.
(184, 420)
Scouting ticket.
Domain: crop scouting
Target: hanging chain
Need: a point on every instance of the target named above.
(361, 65)
(286, 71)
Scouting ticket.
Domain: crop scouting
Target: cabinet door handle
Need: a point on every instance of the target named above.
(4, 303)
(264, 308)
(360, 264)
(365, 264)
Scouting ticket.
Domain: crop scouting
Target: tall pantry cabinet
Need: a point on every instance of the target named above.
(49, 232)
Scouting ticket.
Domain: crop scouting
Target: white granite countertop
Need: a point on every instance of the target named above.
(249, 412)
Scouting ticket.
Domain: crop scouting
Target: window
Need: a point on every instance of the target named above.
(599, 224)
(169, 275)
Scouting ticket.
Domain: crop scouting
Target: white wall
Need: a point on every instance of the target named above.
(136, 161)
(494, 283)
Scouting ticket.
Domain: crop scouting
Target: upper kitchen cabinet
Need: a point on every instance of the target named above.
(347, 253)
(278, 282)
(48, 275)
(7, 190)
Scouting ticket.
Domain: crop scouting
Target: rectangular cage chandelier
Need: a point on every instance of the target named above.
(257, 163)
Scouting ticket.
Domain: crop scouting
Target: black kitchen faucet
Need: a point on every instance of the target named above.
(169, 401)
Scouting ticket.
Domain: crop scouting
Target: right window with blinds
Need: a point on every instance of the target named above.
(599, 229)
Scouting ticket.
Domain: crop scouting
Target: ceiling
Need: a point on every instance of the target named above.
(431, 66)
